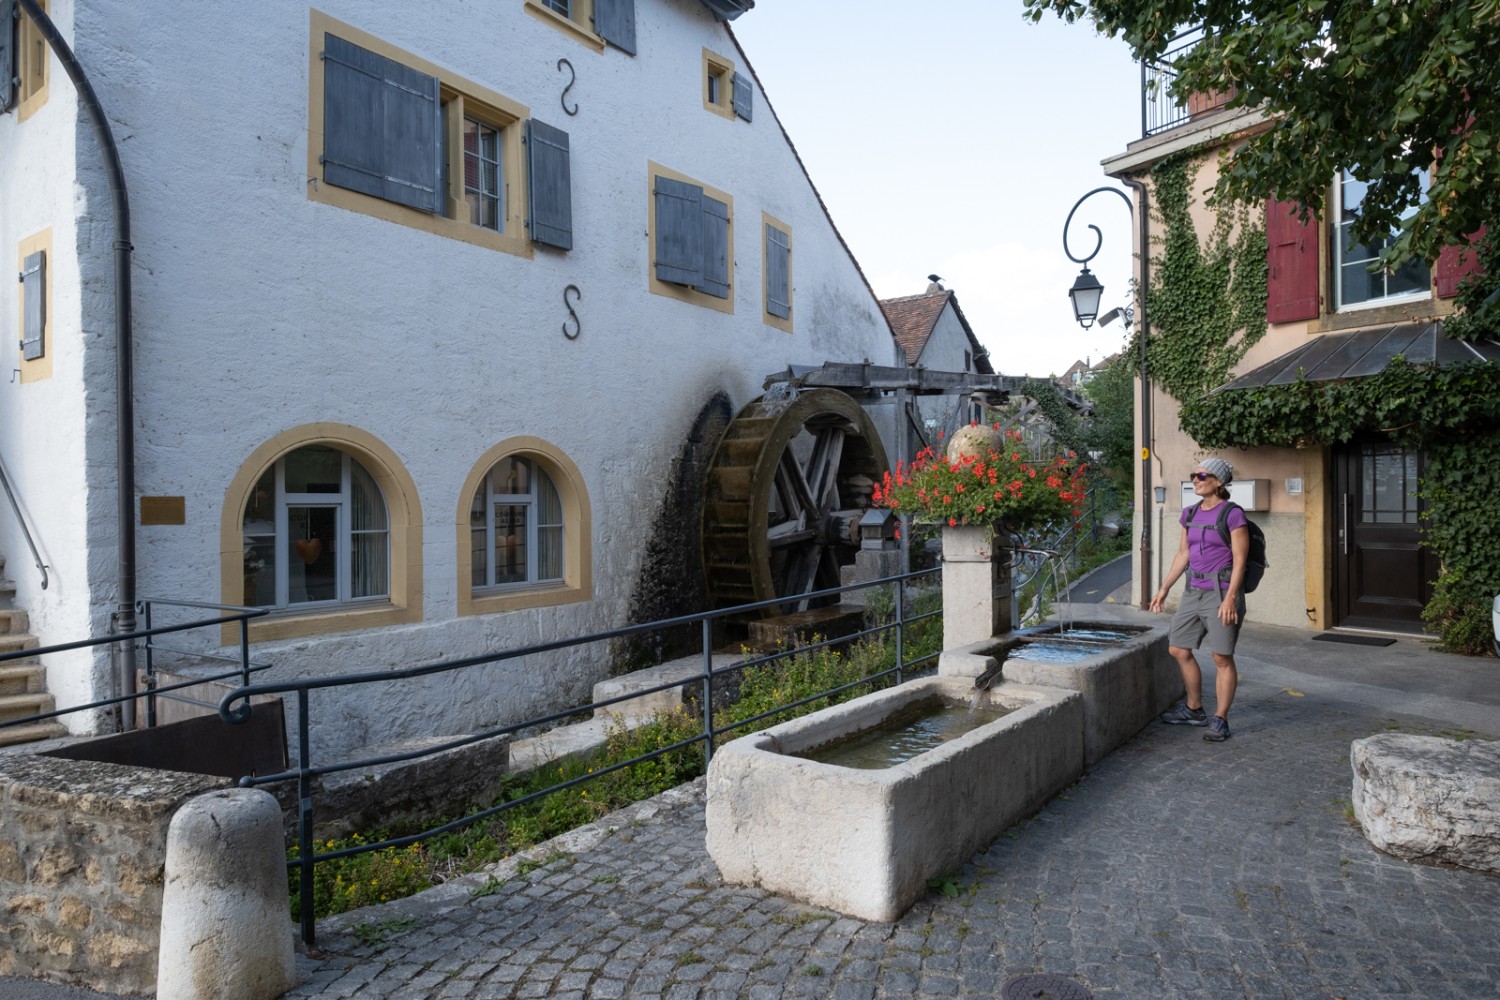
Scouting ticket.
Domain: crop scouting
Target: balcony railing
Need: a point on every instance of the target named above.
(1160, 111)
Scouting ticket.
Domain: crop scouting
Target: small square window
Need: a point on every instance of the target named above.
(718, 85)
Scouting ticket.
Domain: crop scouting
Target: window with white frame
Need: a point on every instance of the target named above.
(316, 532)
(1355, 284)
(516, 527)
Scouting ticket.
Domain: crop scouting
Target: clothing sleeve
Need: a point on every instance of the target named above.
(1182, 518)
(1236, 518)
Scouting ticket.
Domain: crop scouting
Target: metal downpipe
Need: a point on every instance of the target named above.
(122, 621)
(1144, 516)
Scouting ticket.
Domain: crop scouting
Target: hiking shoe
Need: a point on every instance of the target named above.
(1218, 730)
(1180, 715)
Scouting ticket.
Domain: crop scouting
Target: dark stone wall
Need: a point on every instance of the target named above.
(671, 580)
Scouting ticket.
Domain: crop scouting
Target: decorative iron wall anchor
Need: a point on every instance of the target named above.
(577, 323)
(572, 79)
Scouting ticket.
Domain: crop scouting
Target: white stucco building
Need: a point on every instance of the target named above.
(429, 309)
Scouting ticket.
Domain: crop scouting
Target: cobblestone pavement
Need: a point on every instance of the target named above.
(1175, 868)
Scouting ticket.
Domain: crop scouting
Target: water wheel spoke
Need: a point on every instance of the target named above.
(797, 498)
(802, 572)
(822, 474)
(789, 533)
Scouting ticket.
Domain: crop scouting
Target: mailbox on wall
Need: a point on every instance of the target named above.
(1251, 494)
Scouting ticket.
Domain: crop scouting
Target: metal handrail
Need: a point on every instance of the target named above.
(235, 707)
(1159, 111)
(233, 613)
(21, 520)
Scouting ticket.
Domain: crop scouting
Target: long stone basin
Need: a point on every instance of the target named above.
(866, 842)
(1125, 683)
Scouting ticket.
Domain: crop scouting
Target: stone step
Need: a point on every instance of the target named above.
(16, 643)
(26, 678)
(16, 735)
(19, 706)
(14, 621)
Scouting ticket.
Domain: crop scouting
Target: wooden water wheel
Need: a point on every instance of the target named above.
(785, 492)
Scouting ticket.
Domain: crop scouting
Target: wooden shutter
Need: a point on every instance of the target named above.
(550, 185)
(34, 305)
(1292, 264)
(1454, 264)
(614, 21)
(715, 277)
(679, 231)
(9, 25)
(778, 273)
(744, 96)
(382, 127)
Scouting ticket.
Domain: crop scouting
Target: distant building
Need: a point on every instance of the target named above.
(933, 333)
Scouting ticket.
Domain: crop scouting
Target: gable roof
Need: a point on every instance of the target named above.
(914, 317)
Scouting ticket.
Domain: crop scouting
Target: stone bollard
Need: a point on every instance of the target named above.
(976, 586)
(226, 927)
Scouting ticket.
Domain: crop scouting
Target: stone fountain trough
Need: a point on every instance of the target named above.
(866, 842)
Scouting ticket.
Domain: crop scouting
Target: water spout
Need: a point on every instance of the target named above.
(991, 672)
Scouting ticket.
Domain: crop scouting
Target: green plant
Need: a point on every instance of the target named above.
(488, 887)
(946, 885)
(377, 933)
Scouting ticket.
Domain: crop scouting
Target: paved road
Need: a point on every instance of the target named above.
(1174, 869)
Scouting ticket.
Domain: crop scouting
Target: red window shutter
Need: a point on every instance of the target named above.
(1291, 264)
(1454, 264)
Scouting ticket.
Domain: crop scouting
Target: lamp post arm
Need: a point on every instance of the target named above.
(1098, 237)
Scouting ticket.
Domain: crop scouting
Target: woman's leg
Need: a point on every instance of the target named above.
(1224, 684)
(1192, 675)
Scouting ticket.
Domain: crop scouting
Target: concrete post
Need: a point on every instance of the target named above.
(976, 586)
(226, 926)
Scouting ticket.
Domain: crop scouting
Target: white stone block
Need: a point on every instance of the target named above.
(1429, 799)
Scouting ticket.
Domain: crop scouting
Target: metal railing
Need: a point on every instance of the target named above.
(1049, 562)
(1160, 111)
(235, 707)
(36, 556)
(146, 637)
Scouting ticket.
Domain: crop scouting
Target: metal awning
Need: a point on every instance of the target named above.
(1336, 356)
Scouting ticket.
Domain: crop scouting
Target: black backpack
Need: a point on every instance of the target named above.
(1255, 560)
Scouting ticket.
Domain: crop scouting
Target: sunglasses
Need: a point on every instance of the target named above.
(1200, 476)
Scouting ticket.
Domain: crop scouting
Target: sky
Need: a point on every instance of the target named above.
(953, 139)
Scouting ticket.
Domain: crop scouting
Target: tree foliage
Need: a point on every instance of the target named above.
(1379, 87)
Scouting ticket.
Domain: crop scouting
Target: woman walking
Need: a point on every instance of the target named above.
(1213, 605)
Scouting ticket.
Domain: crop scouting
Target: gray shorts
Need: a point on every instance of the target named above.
(1198, 616)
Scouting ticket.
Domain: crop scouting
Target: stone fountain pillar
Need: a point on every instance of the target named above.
(977, 585)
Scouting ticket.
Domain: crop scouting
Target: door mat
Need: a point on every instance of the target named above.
(1354, 640)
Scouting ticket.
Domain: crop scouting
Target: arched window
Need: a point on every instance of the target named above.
(516, 528)
(523, 530)
(316, 533)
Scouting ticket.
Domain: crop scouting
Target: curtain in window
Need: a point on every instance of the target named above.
(549, 529)
(369, 542)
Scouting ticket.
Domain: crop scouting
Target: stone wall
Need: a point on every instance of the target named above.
(82, 850)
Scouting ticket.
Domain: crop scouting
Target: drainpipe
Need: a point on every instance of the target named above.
(1143, 216)
(122, 622)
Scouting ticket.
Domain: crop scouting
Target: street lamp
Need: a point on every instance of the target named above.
(1086, 294)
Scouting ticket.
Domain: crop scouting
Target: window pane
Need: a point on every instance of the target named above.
(510, 543)
(478, 545)
(482, 177)
(511, 477)
(368, 558)
(549, 536)
(259, 528)
(315, 469)
(367, 508)
(561, 6)
(312, 563)
(1413, 276)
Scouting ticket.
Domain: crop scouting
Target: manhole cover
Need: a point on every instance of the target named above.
(1043, 986)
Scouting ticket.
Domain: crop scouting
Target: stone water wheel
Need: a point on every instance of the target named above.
(787, 486)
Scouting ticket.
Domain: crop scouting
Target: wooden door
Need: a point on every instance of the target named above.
(1383, 573)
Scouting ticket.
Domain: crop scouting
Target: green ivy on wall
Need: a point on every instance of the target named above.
(1207, 301)
(1066, 429)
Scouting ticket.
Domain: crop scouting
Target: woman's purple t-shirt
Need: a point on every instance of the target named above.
(1207, 553)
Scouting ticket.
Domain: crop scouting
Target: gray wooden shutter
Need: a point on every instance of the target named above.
(8, 28)
(614, 21)
(778, 273)
(550, 185)
(715, 277)
(34, 305)
(382, 127)
(744, 96)
(679, 231)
